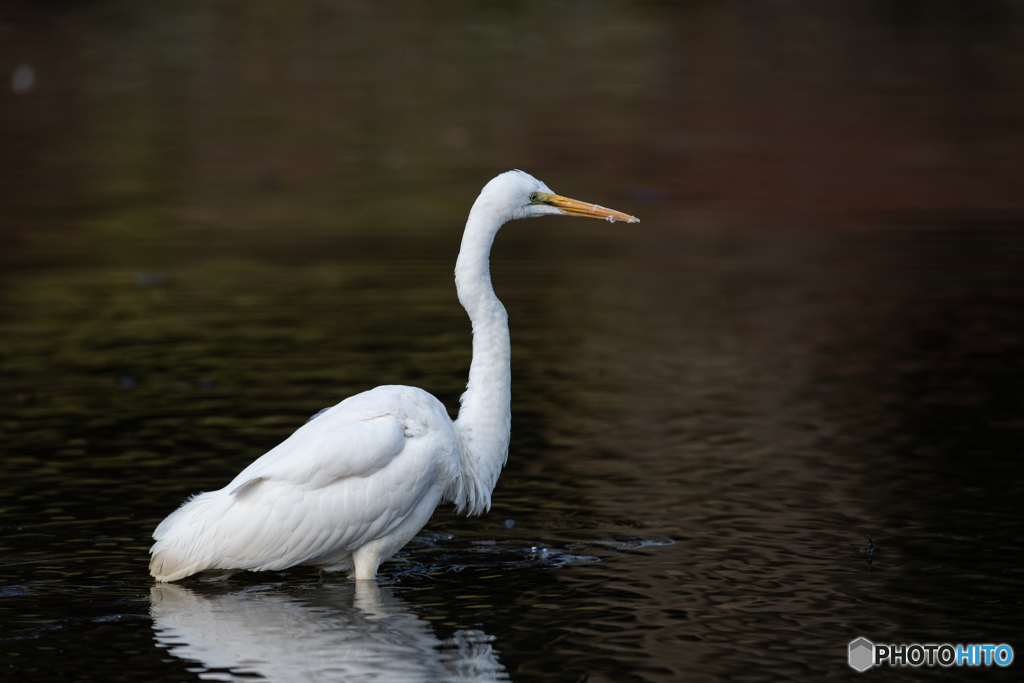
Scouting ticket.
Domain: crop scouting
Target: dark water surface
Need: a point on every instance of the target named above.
(219, 219)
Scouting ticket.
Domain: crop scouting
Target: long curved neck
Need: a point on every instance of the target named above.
(485, 416)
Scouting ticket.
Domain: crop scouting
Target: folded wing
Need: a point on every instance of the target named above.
(343, 479)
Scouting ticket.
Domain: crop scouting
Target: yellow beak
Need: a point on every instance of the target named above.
(572, 207)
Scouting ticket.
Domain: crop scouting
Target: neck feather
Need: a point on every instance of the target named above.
(485, 416)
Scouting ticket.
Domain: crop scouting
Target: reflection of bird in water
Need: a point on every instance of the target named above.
(331, 635)
(348, 489)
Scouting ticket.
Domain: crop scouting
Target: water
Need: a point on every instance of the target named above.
(218, 221)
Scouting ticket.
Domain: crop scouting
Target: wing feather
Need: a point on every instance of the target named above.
(353, 474)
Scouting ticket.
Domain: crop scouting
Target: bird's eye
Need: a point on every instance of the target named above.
(533, 197)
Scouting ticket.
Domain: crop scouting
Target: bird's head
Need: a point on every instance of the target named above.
(517, 194)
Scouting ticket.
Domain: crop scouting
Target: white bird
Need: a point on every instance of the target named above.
(353, 485)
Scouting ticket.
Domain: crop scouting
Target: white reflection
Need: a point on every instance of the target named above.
(333, 635)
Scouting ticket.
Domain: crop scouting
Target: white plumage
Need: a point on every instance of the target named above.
(350, 487)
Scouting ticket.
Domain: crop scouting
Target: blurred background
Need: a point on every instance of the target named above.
(217, 218)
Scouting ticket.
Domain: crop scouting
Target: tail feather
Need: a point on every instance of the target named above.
(179, 550)
(163, 567)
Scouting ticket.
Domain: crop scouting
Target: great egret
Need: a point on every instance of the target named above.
(350, 487)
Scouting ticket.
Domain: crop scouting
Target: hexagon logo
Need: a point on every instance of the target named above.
(862, 654)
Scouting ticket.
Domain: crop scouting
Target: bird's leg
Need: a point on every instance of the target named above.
(366, 559)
